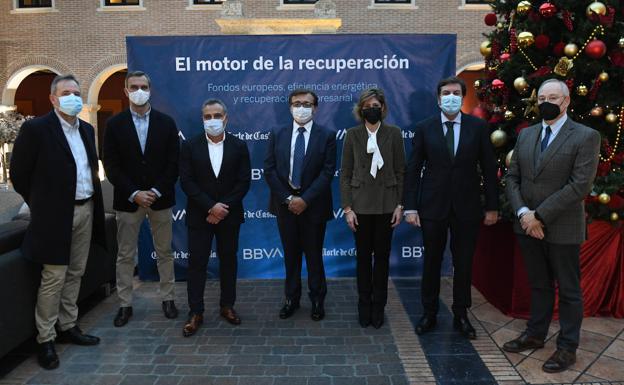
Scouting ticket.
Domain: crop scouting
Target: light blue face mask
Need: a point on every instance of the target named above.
(70, 104)
(451, 104)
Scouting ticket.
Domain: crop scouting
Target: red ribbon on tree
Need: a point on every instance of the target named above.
(513, 40)
(542, 71)
(608, 18)
(593, 93)
(567, 20)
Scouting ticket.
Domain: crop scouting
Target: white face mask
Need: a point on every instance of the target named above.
(214, 127)
(139, 97)
(451, 104)
(302, 114)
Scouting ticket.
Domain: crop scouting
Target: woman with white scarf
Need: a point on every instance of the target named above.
(371, 188)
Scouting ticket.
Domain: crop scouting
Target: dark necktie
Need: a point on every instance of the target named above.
(450, 138)
(298, 156)
(546, 138)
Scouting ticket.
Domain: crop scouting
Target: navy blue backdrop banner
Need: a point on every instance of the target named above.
(253, 75)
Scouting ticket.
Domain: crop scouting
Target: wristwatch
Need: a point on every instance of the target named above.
(288, 199)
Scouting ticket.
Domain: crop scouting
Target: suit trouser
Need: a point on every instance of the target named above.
(128, 226)
(373, 236)
(200, 244)
(301, 236)
(463, 242)
(548, 266)
(60, 284)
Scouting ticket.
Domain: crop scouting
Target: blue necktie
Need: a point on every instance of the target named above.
(298, 156)
(546, 138)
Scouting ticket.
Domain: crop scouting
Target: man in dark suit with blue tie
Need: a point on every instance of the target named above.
(299, 167)
(443, 192)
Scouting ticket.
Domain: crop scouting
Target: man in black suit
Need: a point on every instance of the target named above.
(299, 167)
(447, 195)
(215, 174)
(141, 151)
(54, 167)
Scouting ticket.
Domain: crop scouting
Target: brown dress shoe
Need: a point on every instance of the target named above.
(230, 315)
(522, 343)
(559, 361)
(192, 325)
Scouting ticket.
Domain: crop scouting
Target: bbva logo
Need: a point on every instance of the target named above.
(338, 213)
(340, 134)
(257, 254)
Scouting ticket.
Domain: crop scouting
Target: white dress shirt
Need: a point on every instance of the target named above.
(293, 140)
(141, 124)
(456, 129)
(215, 150)
(84, 182)
(554, 130)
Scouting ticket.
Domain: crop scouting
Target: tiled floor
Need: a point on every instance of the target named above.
(335, 351)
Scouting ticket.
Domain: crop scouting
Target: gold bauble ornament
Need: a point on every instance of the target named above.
(596, 8)
(523, 7)
(596, 111)
(525, 39)
(500, 26)
(521, 85)
(498, 138)
(582, 90)
(621, 42)
(477, 84)
(570, 49)
(615, 217)
(603, 77)
(486, 48)
(508, 158)
(509, 115)
(611, 117)
(604, 198)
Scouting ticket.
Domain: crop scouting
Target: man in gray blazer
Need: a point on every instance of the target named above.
(551, 171)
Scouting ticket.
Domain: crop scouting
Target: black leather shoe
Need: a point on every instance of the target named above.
(462, 324)
(77, 337)
(170, 310)
(318, 311)
(46, 356)
(123, 316)
(522, 343)
(559, 361)
(377, 318)
(288, 309)
(426, 324)
(364, 316)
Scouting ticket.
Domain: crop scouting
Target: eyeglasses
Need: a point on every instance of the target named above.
(299, 104)
(550, 99)
(214, 116)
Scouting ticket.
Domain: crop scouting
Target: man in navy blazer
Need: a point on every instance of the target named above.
(299, 167)
(443, 192)
(141, 151)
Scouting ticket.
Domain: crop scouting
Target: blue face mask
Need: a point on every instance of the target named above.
(451, 104)
(70, 104)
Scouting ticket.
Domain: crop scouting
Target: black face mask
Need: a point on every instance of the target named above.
(549, 110)
(372, 115)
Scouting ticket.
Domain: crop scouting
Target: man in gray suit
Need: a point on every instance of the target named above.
(551, 171)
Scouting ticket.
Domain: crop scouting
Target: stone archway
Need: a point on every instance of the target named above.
(98, 74)
(8, 92)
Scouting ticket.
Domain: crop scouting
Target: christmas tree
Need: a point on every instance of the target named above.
(578, 41)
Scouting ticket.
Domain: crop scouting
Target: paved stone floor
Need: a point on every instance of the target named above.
(335, 351)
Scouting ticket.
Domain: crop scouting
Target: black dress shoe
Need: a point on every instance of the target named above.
(377, 317)
(77, 337)
(123, 316)
(170, 310)
(288, 309)
(426, 323)
(462, 324)
(318, 311)
(522, 343)
(559, 361)
(46, 356)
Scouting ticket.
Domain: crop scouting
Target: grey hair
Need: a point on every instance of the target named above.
(137, 74)
(564, 87)
(210, 102)
(62, 78)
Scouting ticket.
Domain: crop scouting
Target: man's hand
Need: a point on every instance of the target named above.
(531, 226)
(413, 219)
(491, 217)
(396, 216)
(145, 198)
(351, 219)
(297, 205)
(219, 210)
(212, 219)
